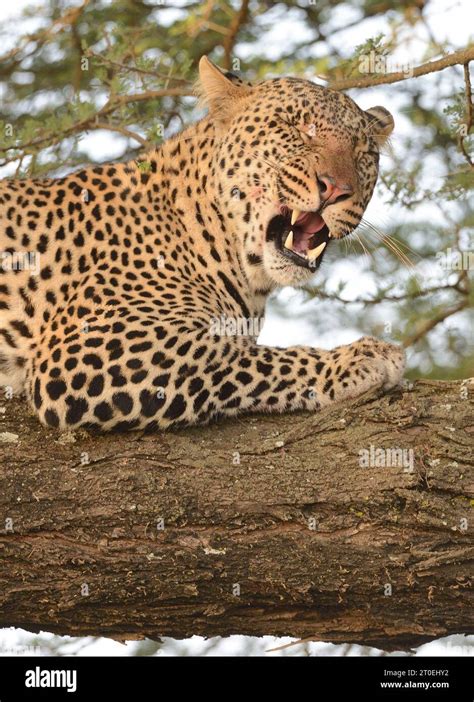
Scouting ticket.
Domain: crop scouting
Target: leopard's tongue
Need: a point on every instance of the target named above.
(301, 240)
(310, 222)
(305, 227)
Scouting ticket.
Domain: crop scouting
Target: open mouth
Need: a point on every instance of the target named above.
(300, 236)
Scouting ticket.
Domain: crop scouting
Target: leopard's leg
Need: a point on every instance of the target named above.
(144, 375)
(258, 378)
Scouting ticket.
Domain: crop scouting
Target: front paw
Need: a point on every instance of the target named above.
(385, 362)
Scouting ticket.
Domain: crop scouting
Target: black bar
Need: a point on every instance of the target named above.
(314, 677)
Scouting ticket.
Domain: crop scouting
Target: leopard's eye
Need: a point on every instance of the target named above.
(301, 129)
(305, 136)
(310, 129)
(307, 129)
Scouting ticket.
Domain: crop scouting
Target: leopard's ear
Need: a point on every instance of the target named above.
(381, 124)
(218, 91)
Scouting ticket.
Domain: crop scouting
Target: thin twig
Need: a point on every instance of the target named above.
(135, 69)
(121, 130)
(385, 298)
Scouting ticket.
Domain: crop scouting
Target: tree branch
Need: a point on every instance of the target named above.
(460, 57)
(238, 20)
(89, 123)
(469, 115)
(265, 525)
(43, 35)
(430, 324)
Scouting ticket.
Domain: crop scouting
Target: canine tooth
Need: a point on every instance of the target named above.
(294, 215)
(314, 253)
(289, 241)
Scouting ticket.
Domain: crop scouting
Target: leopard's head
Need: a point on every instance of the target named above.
(294, 168)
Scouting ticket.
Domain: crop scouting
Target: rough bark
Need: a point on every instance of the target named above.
(277, 507)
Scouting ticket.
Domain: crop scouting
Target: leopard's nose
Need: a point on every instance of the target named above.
(330, 191)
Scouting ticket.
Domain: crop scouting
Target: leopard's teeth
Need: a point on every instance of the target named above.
(294, 215)
(314, 253)
(289, 241)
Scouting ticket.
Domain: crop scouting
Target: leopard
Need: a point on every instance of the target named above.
(124, 285)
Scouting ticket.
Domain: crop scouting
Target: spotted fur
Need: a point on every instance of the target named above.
(115, 331)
